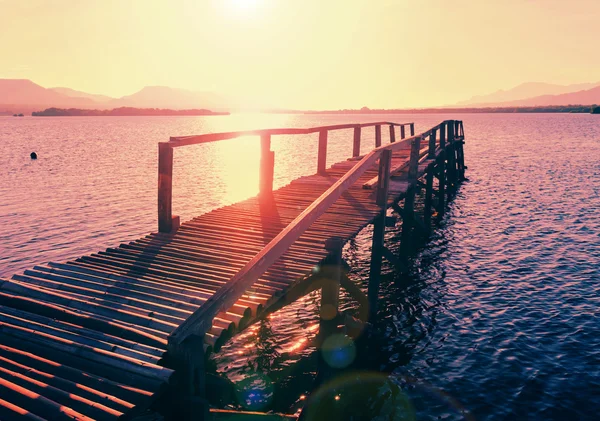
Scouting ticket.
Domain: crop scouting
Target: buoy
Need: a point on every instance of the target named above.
(33, 155)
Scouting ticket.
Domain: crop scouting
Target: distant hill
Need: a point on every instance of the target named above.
(78, 94)
(24, 93)
(177, 99)
(584, 97)
(526, 91)
(123, 111)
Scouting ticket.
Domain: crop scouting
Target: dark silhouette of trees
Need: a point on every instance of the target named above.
(123, 111)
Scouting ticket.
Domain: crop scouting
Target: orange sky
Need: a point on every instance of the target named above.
(302, 53)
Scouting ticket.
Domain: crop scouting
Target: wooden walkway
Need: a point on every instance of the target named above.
(86, 339)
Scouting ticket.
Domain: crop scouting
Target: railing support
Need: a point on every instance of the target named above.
(402, 132)
(166, 221)
(412, 129)
(432, 140)
(428, 198)
(392, 133)
(356, 144)
(441, 164)
(383, 182)
(461, 153)
(267, 166)
(377, 136)
(408, 214)
(322, 158)
(451, 159)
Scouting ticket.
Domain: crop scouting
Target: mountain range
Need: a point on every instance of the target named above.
(24, 96)
(538, 93)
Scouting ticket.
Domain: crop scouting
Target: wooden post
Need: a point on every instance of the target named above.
(451, 158)
(431, 151)
(356, 145)
(392, 133)
(330, 292)
(377, 136)
(428, 198)
(165, 187)
(412, 129)
(461, 153)
(188, 360)
(402, 132)
(441, 166)
(383, 181)
(267, 166)
(409, 199)
(322, 158)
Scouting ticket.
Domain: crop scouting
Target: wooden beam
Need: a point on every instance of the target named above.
(409, 199)
(165, 187)
(330, 291)
(356, 143)
(190, 384)
(432, 141)
(428, 198)
(441, 167)
(413, 165)
(451, 170)
(267, 165)
(322, 157)
(178, 141)
(412, 129)
(378, 233)
(377, 136)
(392, 133)
(402, 132)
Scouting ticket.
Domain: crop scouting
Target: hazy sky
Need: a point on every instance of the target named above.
(302, 53)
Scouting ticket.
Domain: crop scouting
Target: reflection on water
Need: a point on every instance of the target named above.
(498, 318)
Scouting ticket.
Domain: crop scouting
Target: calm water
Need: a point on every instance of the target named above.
(498, 320)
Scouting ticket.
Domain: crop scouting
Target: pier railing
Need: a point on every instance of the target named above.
(199, 322)
(167, 222)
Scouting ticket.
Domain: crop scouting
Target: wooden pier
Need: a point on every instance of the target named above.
(112, 334)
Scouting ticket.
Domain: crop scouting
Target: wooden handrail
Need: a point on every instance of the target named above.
(177, 141)
(199, 322)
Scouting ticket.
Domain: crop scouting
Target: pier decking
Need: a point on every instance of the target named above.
(106, 335)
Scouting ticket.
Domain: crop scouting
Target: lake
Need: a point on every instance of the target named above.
(498, 319)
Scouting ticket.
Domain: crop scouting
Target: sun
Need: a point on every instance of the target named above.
(244, 4)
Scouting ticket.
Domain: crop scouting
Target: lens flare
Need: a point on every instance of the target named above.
(255, 392)
(338, 351)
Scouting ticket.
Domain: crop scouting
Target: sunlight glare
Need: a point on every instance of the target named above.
(243, 4)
